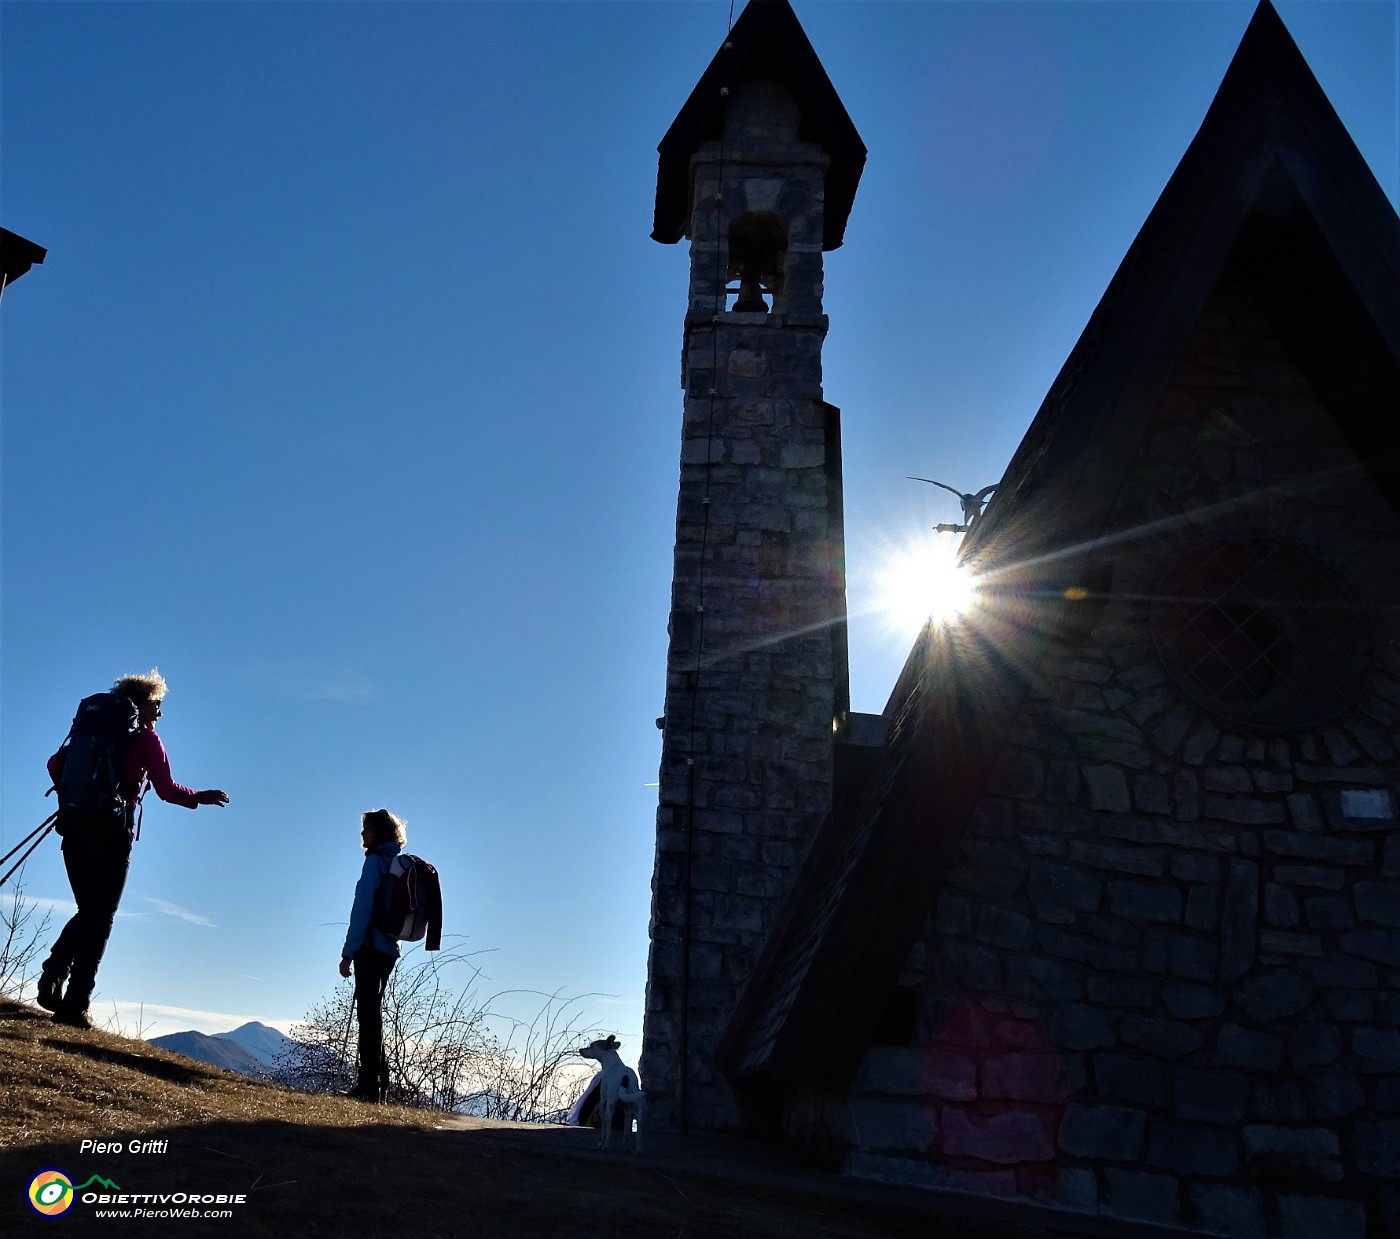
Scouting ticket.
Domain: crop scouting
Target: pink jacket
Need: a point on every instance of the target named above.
(146, 759)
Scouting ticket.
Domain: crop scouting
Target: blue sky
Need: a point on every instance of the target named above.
(348, 396)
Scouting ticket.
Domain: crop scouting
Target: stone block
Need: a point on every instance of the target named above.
(1108, 789)
(1314, 1045)
(1311, 1152)
(1120, 992)
(1326, 848)
(953, 916)
(1186, 1001)
(1121, 858)
(1275, 996)
(1303, 813)
(1007, 1138)
(1378, 903)
(1201, 742)
(1311, 875)
(1062, 782)
(1252, 1051)
(1144, 1197)
(1103, 1133)
(1000, 928)
(1228, 779)
(1037, 978)
(1061, 888)
(1350, 1006)
(1376, 1051)
(1203, 907)
(1018, 775)
(1125, 1078)
(1388, 1095)
(1145, 901)
(1334, 1094)
(1309, 773)
(1239, 919)
(1075, 1027)
(1152, 794)
(1340, 972)
(1169, 1039)
(1188, 796)
(1086, 951)
(1242, 810)
(885, 1124)
(1377, 1145)
(1328, 912)
(1212, 1096)
(1281, 906)
(1283, 942)
(1197, 959)
(1313, 1217)
(975, 967)
(1380, 945)
(1280, 1103)
(1196, 867)
(1074, 1189)
(1234, 1212)
(1192, 1149)
(1025, 1077)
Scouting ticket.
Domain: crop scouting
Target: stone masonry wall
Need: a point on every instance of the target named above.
(756, 669)
(1164, 980)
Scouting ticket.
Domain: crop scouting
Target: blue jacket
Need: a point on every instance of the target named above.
(369, 890)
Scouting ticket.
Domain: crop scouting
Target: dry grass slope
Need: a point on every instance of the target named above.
(326, 1167)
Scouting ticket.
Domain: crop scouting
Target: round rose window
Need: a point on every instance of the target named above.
(1262, 634)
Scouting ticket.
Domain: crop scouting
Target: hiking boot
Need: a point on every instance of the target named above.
(71, 1016)
(361, 1093)
(50, 989)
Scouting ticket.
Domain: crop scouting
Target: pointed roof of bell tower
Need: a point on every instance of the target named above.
(766, 42)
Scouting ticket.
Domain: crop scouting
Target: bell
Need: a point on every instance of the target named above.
(750, 296)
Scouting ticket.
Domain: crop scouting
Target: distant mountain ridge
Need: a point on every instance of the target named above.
(250, 1050)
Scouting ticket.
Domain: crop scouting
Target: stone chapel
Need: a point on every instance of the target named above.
(1103, 912)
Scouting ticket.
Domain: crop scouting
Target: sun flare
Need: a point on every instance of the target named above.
(923, 581)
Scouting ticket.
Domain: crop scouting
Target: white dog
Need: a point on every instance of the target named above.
(617, 1086)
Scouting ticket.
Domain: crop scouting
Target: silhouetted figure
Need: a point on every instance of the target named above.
(373, 952)
(972, 505)
(101, 771)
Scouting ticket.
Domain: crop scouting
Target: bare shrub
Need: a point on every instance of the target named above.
(21, 938)
(443, 1049)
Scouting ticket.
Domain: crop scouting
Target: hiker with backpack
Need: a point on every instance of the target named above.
(109, 757)
(397, 898)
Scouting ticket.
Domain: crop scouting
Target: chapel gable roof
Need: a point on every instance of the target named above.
(766, 42)
(1273, 191)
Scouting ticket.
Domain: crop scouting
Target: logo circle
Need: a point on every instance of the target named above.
(50, 1192)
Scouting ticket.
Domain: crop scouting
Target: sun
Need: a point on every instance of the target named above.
(922, 581)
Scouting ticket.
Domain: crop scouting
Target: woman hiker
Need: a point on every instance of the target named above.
(97, 854)
(372, 951)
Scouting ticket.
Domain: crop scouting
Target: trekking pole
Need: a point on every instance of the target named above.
(41, 830)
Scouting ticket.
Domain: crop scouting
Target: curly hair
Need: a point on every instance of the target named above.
(384, 827)
(148, 687)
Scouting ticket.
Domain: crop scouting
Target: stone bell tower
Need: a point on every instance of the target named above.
(758, 170)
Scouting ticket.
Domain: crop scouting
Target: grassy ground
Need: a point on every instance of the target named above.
(319, 1166)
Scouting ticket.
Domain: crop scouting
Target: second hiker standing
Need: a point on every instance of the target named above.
(118, 753)
(373, 952)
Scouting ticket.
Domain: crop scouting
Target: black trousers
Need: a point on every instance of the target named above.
(372, 969)
(97, 866)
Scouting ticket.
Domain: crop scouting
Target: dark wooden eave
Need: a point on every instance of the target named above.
(1271, 192)
(17, 255)
(766, 42)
